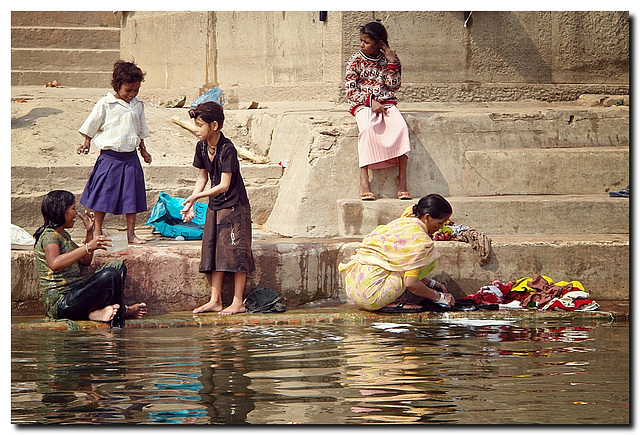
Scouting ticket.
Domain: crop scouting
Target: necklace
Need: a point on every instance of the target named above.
(211, 150)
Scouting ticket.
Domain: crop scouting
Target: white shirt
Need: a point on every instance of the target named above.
(116, 125)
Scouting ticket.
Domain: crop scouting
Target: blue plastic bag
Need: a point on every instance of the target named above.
(165, 217)
(214, 94)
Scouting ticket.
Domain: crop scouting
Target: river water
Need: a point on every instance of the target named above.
(446, 372)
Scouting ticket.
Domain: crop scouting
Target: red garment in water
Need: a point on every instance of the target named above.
(490, 294)
(573, 300)
(573, 305)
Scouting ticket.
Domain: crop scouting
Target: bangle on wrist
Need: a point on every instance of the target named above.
(86, 247)
(440, 299)
(433, 283)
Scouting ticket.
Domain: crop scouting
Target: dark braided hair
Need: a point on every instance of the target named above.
(54, 206)
(435, 205)
(376, 32)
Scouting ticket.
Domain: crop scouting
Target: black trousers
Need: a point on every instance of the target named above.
(105, 287)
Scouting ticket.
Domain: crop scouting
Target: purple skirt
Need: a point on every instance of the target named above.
(116, 184)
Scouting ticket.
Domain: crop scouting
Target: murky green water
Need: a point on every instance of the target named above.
(443, 373)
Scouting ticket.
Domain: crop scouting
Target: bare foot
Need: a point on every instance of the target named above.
(231, 309)
(135, 240)
(135, 311)
(106, 314)
(209, 306)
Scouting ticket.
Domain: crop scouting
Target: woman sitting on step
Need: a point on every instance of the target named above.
(65, 293)
(397, 257)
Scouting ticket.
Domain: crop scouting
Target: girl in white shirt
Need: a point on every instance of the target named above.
(117, 126)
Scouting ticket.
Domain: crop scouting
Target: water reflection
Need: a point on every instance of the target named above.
(444, 373)
(224, 386)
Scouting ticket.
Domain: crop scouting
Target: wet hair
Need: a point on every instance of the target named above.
(435, 205)
(209, 111)
(54, 206)
(125, 72)
(376, 32)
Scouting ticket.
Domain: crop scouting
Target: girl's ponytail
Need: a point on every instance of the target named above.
(415, 210)
(376, 31)
(435, 205)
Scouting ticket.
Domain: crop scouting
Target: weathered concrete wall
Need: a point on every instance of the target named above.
(290, 56)
(174, 49)
(518, 149)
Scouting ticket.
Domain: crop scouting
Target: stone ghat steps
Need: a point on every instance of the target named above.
(74, 48)
(502, 215)
(69, 67)
(164, 273)
(478, 151)
(29, 185)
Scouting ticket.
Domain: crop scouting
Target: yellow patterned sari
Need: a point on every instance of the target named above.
(375, 275)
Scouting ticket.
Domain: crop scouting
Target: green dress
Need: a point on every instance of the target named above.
(54, 285)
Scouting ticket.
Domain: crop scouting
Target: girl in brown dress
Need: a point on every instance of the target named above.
(226, 241)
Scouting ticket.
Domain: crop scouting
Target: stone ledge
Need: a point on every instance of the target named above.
(165, 274)
(501, 214)
(345, 313)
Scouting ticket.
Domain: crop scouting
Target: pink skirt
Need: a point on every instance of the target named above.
(382, 138)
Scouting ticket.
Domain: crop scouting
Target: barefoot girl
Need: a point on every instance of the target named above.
(65, 293)
(226, 242)
(117, 126)
(372, 77)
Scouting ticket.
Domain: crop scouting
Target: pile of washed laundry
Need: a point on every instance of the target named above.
(539, 292)
(480, 242)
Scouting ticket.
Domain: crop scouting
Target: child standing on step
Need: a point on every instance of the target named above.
(226, 240)
(372, 77)
(117, 126)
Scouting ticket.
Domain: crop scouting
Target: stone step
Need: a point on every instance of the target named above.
(76, 79)
(506, 126)
(66, 18)
(29, 185)
(502, 215)
(46, 37)
(517, 171)
(70, 59)
(558, 171)
(29, 180)
(26, 213)
(165, 273)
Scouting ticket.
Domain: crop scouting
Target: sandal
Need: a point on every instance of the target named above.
(399, 308)
(623, 193)
(368, 196)
(403, 194)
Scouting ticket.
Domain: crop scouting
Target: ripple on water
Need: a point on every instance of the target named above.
(445, 373)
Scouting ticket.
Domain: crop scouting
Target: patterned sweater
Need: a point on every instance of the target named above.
(368, 78)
